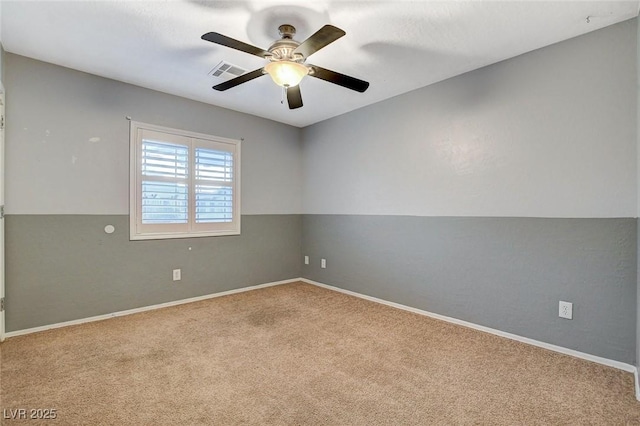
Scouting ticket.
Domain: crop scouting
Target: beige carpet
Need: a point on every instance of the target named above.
(299, 354)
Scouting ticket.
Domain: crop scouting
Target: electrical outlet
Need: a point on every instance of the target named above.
(306, 260)
(565, 310)
(177, 275)
(323, 263)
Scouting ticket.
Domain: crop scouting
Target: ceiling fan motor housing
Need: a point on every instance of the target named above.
(287, 31)
(282, 50)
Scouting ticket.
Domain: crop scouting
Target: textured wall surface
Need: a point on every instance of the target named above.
(547, 134)
(2, 53)
(638, 180)
(67, 176)
(503, 273)
(488, 197)
(68, 142)
(436, 198)
(65, 267)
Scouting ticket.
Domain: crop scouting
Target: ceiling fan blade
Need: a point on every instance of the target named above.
(294, 97)
(321, 38)
(235, 44)
(239, 80)
(339, 79)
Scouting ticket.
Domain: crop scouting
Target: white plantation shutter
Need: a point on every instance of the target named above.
(214, 185)
(164, 182)
(215, 193)
(183, 184)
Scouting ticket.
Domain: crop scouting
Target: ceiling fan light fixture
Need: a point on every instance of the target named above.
(286, 62)
(286, 73)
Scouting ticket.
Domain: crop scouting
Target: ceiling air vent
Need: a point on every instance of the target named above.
(226, 70)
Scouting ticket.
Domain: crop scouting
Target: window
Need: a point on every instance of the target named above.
(183, 184)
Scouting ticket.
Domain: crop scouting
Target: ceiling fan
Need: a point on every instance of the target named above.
(287, 61)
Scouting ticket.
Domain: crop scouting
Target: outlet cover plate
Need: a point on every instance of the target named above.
(565, 310)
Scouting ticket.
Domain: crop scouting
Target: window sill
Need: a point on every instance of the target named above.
(172, 235)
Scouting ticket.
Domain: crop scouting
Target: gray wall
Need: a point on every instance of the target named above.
(468, 180)
(504, 273)
(67, 176)
(638, 181)
(551, 133)
(68, 142)
(2, 53)
(65, 267)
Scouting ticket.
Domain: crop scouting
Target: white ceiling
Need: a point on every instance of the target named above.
(397, 46)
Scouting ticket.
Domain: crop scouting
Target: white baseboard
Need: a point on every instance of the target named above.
(635, 379)
(144, 308)
(593, 358)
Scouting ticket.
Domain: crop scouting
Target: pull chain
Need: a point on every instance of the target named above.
(284, 92)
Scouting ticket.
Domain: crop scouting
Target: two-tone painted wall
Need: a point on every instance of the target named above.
(638, 196)
(487, 197)
(491, 196)
(67, 177)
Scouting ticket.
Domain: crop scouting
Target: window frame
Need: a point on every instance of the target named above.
(191, 229)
